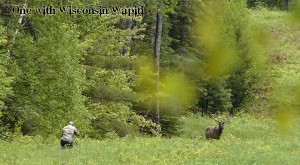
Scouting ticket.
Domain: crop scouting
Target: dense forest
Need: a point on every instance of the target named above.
(122, 67)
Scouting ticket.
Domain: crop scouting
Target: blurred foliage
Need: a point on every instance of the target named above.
(285, 93)
(177, 93)
(296, 11)
(220, 51)
(285, 97)
(231, 58)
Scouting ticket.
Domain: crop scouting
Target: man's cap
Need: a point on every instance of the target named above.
(71, 123)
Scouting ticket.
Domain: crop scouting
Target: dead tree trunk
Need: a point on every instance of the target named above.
(17, 29)
(128, 24)
(157, 46)
(286, 5)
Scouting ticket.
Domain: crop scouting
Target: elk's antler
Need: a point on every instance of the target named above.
(212, 116)
(228, 118)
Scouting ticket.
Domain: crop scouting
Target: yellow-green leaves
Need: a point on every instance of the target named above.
(286, 89)
(174, 90)
(286, 98)
(285, 117)
(213, 35)
(296, 12)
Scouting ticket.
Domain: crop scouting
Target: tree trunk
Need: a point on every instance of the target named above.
(285, 5)
(17, 29)
(157, 45)
(128, 24)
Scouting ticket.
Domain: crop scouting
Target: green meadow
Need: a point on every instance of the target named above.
(245, 140)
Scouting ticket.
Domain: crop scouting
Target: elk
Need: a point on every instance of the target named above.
(215, 133)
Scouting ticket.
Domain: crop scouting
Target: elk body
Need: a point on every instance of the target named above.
(215, 132)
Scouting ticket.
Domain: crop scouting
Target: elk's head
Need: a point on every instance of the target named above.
(221, 125)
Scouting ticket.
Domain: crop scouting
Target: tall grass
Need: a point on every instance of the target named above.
(245, 140)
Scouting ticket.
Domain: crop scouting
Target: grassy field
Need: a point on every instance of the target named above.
(283, 57)
(245, 140)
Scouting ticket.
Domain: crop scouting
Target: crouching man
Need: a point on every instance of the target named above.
(67, 135)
